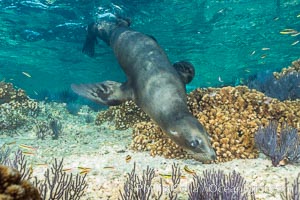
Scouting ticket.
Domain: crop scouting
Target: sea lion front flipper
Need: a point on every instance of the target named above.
(90, 40)
(109, 93)
(186, 71)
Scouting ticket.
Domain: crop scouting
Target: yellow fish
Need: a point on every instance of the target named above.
(27, 153)
(188, 170)
(67, 169)
(84, 170)
(169, 176)
(42, 165)
(288, 31)
(27, 147)
(128, 158)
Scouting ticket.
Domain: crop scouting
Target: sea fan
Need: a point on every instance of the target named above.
(285, 88)
(286, 146)
(217, 185)
(292, 193)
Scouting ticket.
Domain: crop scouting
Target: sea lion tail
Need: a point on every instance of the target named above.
(90, 41)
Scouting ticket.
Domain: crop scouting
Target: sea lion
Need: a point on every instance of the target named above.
(156, 86)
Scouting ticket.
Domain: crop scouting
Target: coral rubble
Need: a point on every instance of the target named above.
(13, 188)
(15, 106)
(231, 115)
(124, 115)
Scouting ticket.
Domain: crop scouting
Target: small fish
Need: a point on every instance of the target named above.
(220, 80)
(10, 143)
(247, 70)
(28, 153)
(263, 56)
(296, 34)
(41, 165)
(298, 15)
(188, 170)
(169, 176)
(109, 167)
(276, 18)
(67, 169)
(166, 175)
(128, 158)
(265, 49)
(84, 170)
(294, 43)
(288, 31)
(253, 52)
(26, 74)
(35, 92)
(27, 147)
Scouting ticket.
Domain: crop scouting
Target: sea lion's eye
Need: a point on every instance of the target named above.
(195, 143)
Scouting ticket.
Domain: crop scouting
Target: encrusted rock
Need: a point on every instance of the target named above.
(15, 106)
(13, 188)
(124, 116)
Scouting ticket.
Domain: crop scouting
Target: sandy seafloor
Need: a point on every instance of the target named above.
(104, 149)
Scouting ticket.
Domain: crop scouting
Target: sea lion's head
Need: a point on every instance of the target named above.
(192, 136)
(106, 24)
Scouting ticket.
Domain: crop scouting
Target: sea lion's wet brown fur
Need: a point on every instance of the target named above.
(152, 82)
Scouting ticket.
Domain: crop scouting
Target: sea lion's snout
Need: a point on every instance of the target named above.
(198, 146)
(191, 135)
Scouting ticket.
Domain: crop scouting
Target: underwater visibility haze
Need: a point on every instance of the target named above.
(226, 40)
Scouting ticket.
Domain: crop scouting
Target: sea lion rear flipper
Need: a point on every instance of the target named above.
(185, 70)
(109, 93)
(90, 41)
(152, 37)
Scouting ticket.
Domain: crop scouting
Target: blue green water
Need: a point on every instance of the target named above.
(226, 40)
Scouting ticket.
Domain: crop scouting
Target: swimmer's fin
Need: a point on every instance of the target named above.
(90, 41)
(185, 70)
(109, 93)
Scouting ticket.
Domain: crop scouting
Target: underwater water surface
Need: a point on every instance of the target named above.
(226, 40)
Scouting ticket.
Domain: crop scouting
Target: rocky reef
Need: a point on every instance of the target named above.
(294, 68)
(231, 115)
(15, 106)
(12, 187)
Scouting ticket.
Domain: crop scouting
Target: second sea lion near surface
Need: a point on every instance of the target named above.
(153, 83)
